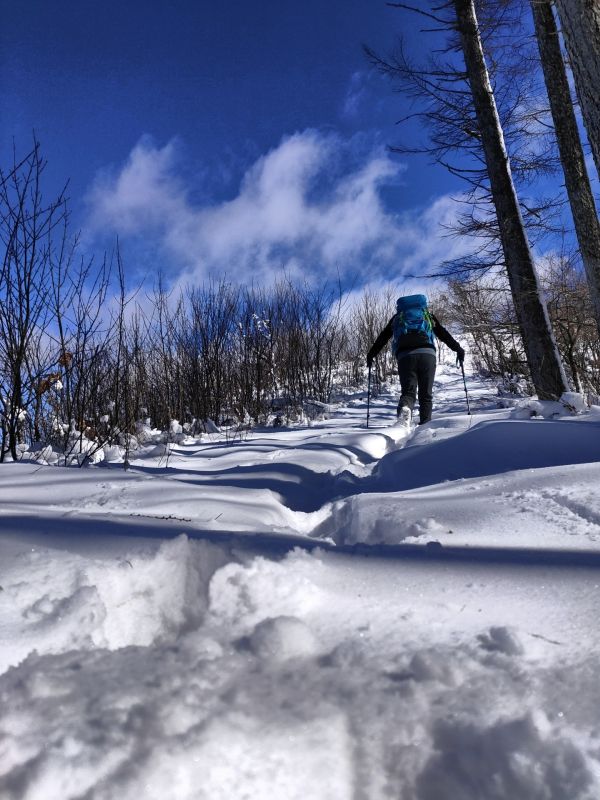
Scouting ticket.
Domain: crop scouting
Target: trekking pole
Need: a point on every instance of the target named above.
(368, 394)
(465, 383)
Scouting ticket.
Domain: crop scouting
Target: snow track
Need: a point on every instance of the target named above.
(324, 613)
(376, 677)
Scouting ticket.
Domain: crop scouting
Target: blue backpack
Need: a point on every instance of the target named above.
(412, 325)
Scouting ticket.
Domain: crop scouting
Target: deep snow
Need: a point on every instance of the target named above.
(318, 612)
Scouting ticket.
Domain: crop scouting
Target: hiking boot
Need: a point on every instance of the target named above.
(405, 416)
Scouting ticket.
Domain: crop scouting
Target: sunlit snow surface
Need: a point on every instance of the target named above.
(322, 612)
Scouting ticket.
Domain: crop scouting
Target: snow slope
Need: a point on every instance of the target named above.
(325, 612)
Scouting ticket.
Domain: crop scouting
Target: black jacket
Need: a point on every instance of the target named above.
(439, 330)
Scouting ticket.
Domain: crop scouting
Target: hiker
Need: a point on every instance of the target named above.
(413, 328)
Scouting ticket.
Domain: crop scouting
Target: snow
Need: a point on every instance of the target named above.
(313, 612)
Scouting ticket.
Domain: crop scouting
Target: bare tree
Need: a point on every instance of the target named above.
(253, 355)
(484, 310)
(542, 355)
(482, 307)
(580, 21)
(437, 83)
(27, 225)
(368, 319)
(214, 309)
(581, 198)
(576, 334)
(78, 293)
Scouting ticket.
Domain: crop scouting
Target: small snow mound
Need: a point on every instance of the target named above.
(431, 665)
(160, 596)
(569, 404)
(501, 639)
(281, 638)
(202, 646)
(574, 401)
(523, 410)
(241, 595)
(141, 599)
(511, 758)
(46, 455)
(237, 757)
(113, 453)
(159, 451)
(175, 427)
(355, 521)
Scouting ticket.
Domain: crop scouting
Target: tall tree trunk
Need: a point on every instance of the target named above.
(577, 182)
(580, 22)
(540, 347)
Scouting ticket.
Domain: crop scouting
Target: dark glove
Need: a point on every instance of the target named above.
(460, 356)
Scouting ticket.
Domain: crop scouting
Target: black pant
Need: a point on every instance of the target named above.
(417, 371)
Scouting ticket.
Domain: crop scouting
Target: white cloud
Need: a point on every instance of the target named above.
(144, 193)
(355, 93)
(297, 208)
(368, 92)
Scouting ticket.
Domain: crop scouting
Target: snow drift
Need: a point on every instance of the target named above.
(278, 618)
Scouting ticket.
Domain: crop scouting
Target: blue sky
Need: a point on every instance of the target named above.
(225, 138)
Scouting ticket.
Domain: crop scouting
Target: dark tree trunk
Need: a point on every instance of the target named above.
(572, 157)
(542, 354)
(580, 22)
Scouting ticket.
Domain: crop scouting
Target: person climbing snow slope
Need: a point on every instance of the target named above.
(413, 330)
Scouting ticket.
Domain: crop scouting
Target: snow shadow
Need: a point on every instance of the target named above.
(77, 533)
(299, 488)
(488, 448)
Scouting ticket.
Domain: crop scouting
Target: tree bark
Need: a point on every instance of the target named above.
(541, 351)
(580, 22)
(577, 182)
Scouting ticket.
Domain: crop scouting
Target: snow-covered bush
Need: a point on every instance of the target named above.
(570, 404)
(574, 401)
